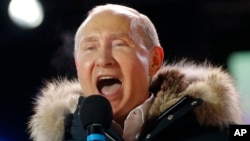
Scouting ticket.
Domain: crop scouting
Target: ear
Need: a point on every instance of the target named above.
(157, 55)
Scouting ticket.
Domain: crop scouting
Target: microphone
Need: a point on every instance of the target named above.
(96, 117)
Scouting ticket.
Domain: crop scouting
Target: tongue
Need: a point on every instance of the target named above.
(111, 89)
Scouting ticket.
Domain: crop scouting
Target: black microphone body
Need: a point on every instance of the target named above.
(95, 132)
(96, 117)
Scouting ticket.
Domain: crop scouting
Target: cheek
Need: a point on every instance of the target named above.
(133, 57)
(84, 63)
(136, 72)
(141, 63)
(134, 65)
(84, 67)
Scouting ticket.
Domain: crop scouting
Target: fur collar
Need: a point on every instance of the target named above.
(173, 81)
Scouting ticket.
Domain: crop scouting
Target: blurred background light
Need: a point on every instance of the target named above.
(26, 13)
(239, 66)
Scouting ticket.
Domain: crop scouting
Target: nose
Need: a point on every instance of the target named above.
(105, 58)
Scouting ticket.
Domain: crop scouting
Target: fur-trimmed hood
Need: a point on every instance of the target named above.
(212, 84)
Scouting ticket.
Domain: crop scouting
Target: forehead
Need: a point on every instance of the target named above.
(110, 21)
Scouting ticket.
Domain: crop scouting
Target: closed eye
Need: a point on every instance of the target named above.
(119, 43)
(90, 48)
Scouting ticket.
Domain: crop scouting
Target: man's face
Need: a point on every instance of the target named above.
(112, 61)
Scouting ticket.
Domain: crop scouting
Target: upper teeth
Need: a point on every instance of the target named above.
(106, 77)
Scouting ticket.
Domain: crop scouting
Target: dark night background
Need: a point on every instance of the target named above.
(199, 29)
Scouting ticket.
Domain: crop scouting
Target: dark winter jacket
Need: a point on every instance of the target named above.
(192, 102)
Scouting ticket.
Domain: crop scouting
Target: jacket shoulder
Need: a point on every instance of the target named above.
(56, 99)
(213, 84)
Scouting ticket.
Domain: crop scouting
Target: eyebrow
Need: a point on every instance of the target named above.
(88, 39)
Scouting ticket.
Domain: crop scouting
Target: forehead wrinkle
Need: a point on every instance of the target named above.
(119, 35)
(111, 36)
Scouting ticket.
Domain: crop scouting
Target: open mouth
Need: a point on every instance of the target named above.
(108, 85)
